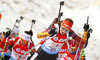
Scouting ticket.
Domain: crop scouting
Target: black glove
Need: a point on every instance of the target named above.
(86, 27)
(52, 32)
(7, 32)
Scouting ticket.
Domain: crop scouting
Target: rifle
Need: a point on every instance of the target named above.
(17, 23)
(57, 20)
(33, 21)
(84, 37)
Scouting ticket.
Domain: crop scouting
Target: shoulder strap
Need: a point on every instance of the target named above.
(29, 45)
(67, 40)
(67, 44)
(67, 35)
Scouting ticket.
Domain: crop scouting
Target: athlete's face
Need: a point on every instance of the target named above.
(63, 30)
(23, 42)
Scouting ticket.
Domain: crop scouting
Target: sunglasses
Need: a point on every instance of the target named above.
(66, 30)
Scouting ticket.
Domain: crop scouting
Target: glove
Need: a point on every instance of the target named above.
(7, 32)
(52, 32)
(86, 27)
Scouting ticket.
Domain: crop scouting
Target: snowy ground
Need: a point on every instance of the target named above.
(44, 11)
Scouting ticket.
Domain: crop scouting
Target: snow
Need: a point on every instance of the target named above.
(44, 11)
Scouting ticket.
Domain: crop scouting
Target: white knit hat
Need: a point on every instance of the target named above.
(26, 37)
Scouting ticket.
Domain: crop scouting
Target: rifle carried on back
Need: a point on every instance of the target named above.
(86, 36)
(57, 20)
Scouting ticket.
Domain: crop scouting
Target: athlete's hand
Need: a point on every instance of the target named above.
(86, 27)
(52, 32)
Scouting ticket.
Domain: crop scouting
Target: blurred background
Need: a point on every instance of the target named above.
(44, 12)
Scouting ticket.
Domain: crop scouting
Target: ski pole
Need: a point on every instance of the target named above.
(78, 50)
(4, 49)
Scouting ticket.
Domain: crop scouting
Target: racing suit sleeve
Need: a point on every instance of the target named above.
(76, 37)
